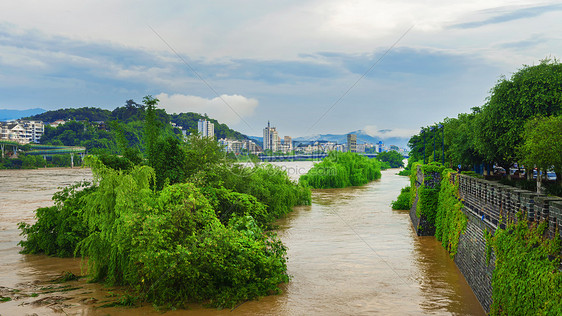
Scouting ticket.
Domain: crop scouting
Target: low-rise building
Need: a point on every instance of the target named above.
(57, 123)
(360, 148)
(236, 146)
(22, 131)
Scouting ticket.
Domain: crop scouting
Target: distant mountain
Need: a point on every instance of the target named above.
(258, 140)
(362, 137)
(7, 115)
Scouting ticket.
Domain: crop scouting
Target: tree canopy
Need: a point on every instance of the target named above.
(542, 143)
(494, 132)
(394, 158)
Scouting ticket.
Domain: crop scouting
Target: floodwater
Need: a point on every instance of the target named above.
(349, 254)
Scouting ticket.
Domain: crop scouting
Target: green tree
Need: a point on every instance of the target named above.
(205, 156)
(426, 140)
(542, 146)
(460, 148)
(394, 158)
(531, 91)
(151, 128)
(169, 162)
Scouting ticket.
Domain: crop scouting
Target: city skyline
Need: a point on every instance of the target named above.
(315, 66)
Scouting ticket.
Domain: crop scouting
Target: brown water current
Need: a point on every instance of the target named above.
(349, 254)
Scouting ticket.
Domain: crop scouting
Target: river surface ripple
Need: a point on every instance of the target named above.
(349, 254)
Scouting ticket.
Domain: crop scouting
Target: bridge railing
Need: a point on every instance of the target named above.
(498, 203)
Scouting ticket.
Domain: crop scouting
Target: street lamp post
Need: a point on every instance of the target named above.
(442, 143)
(432, 129)
(423, 135)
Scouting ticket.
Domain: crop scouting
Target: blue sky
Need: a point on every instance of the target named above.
(290, 62)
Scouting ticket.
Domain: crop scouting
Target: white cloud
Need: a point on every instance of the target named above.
(229, 109)
(257, 29)
(374, 131)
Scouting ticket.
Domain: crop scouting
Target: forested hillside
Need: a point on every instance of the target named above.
(121, 127)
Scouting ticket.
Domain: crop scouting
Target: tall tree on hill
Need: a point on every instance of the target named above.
(131, 111)
(151, 129)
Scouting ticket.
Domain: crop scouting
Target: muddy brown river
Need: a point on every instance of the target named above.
(349, 254)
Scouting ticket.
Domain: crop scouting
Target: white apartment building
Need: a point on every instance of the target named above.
(34, 130)
(271, 139)
(22, 132)
(205, 128)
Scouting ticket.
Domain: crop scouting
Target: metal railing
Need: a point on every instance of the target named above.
(499, 204)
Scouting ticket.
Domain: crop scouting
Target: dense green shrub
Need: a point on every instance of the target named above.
(340, 170)
(60, 227)
(403, 200)
(270, 185)
(187, 228)
(171, 246)
(174, 246)
(450, 221)
(405, 172)
(526, 278)
(228, 204)
(392, 157)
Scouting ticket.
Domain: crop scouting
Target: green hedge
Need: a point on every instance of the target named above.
(403, 202)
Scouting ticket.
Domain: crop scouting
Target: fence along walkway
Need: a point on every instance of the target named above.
(498, 203)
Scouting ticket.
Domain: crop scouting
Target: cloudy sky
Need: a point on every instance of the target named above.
(308, 66)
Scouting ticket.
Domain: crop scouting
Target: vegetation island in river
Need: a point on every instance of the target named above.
(177, 224)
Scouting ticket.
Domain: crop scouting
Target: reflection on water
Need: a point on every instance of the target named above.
(349, 254)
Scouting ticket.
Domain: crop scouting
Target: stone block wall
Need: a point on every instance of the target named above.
(471, 258)
(488, 206)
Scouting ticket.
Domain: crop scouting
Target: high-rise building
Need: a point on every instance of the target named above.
(205, 128)
(271, 139)
(288, 142)
(352, 143)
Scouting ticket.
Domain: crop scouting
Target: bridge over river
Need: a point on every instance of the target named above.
(303, 157)
(43, 150)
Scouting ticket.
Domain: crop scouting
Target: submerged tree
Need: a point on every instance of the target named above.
(394, 158)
